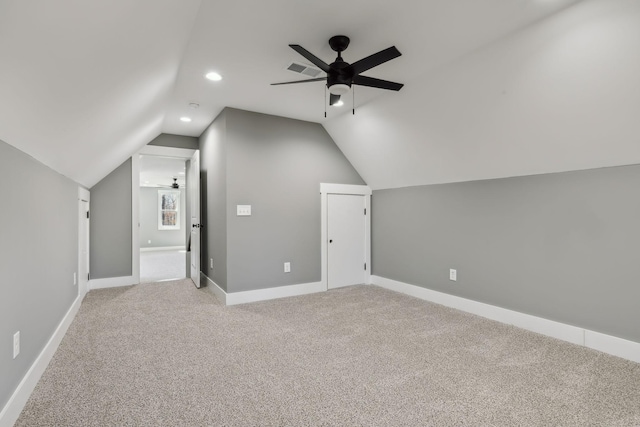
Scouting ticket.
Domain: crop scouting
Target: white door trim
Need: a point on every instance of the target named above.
(325, 190)
(135, 218)
(193, 189)
(158, 150)
(84, 195)
(153, 150)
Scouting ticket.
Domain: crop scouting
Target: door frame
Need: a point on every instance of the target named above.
(150, 150)
(357, 190)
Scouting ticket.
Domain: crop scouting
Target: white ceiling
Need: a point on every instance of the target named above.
(84, 85)
(159, 171)
(247, 42)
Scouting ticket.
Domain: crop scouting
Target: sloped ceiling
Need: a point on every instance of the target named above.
(84, 85)
(560, 95)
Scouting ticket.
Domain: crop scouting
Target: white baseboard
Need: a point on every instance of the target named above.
(111, 282)
(15, 405)
(245, 297)
(214, 288)
(273, 293)
(163, 248)
(609, 344)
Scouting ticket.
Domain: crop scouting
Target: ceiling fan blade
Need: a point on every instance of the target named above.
(377, 83)
(374, 60)
(311, 57)
(319, 79)
(333, 99)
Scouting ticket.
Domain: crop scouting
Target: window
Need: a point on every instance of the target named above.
(168, 210)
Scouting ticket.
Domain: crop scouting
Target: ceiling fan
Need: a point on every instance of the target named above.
(342, 75)
(175, 184)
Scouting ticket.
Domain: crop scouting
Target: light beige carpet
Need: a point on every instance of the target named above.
(170, 355)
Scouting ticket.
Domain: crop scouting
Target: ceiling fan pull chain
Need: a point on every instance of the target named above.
(325, 101)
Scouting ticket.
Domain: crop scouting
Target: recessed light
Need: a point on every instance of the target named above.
(338, 104)
(194, 105)
(213, 76)
(185, 119)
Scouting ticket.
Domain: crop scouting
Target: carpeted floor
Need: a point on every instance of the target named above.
(162, 265)
(170, 355)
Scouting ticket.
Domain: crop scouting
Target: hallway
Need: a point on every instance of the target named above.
(157, 266)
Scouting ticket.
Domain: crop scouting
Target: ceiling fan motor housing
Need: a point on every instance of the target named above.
(338, 78)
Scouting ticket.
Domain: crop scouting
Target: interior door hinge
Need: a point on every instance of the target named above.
(88, 276)
(87, 214)
(365, 211)
(365, 266)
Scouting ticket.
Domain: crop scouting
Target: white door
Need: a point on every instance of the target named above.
(346, 233)
(194, 197)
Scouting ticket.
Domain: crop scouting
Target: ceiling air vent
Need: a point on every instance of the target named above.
(304, 69)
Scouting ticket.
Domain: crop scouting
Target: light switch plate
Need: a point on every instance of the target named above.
(244, 210)
(453, 275)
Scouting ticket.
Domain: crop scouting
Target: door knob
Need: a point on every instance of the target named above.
(330, 241)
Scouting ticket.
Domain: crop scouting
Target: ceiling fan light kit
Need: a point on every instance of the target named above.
(339, 89)
(341, 75)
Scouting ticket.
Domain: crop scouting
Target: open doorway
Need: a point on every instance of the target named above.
(162, 218)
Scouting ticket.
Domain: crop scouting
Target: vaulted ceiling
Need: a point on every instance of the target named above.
(492, 87)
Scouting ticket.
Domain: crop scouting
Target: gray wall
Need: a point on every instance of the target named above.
(38, 256)
(149, 221)
(560, 246)
(276, 165)
(110, 252)
(176, 141)
(213, 188)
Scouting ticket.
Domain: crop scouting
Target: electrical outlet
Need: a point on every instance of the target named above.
(148, 242)
(211, 262)
(16, 344)
(453, 274)
(287, 267)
